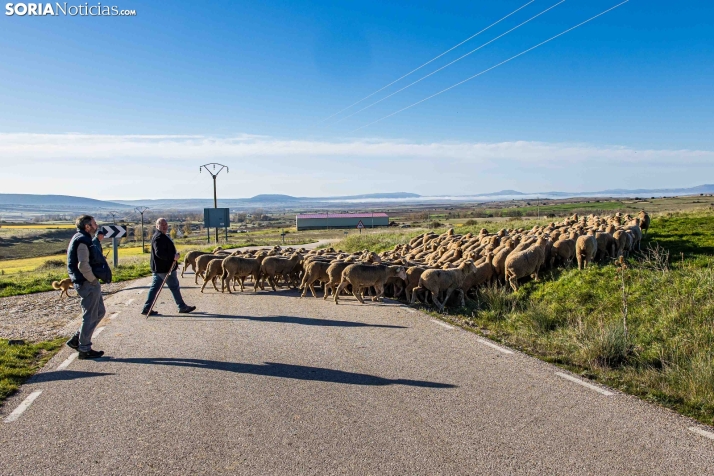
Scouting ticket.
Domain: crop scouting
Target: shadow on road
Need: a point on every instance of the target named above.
(65, 375)
(305, 321)
(299, 372)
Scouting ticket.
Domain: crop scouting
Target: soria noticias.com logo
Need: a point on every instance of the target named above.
(65, 9)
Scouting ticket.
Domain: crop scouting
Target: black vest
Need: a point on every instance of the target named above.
(81, 237)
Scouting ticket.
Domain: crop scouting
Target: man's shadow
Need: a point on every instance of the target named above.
(273, 369)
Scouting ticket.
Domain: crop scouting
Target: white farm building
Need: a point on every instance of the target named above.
(325, 221)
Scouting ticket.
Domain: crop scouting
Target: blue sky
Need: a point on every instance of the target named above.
(625, 101)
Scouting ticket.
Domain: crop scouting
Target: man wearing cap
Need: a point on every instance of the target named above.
(81, 256)
(164, 260)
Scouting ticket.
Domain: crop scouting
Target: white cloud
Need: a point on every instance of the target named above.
(154, 166)
(200, 147)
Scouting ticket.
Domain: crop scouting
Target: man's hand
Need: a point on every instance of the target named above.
(177, 256)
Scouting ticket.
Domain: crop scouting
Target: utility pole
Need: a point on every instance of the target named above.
(141, 210)
(214, 174)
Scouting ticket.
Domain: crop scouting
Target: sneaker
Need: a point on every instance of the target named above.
(153, 313)
(187, 309)
(73, 342)
(91, 354)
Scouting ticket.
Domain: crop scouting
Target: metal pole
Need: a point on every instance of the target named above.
(215, 202)
(143, 250)
(115, 245)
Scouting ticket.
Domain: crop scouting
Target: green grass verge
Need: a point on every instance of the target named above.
(20, 362)
(40, 280)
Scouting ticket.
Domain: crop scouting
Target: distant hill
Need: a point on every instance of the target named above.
(47, 203)
(55, 201)
(503, 193)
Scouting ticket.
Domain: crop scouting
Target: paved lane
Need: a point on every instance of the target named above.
(269, 383)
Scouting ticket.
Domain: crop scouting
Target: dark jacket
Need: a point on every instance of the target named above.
(162, 253)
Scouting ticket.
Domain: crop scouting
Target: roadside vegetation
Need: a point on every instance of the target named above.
(21, 360)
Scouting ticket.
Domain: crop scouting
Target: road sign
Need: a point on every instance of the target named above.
(360, 225)
(114, 231)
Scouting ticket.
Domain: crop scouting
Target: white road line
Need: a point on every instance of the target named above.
(704, 433)
(23, 406)
(68, 361)
(98, 331)
(113, 315)
(584, 384)
(497, 347)
(129, 302)
(443, 324)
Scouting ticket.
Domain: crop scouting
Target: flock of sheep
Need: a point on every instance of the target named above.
(430, 265)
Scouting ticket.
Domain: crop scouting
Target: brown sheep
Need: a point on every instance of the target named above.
(236, 268)
(606, 246)
(213, 271)
(412, 281)
(314, 271)
(564, 250)
(362, 276)
(447, 280)
(202, 263)
(334, 276)
(273, 266)
(190, 260)
(620, 237)
(644, 221)
(483, 273)
(520, 264)
(585, 249)
(499, 260)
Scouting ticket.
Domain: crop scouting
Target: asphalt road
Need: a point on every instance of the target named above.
(269, 383)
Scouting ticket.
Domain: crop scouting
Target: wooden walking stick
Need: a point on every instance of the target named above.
(162, 287)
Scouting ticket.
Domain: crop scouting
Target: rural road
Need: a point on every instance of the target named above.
(268, 383)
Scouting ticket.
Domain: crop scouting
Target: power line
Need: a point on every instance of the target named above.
(431, 60)
(494, 67)
(456, 60)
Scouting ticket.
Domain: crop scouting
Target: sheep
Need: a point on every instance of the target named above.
(201, 265)
(644, 221)
(636, 232)
(214, 269)
(564, 250)
(620, 237)
(235, 268)
(334, 276)
(499, 260)
(362, 276)
(190, 260)
(483, 273)
(273, 266)
(585, 249)
(448, 280)
(606, 246)
(314, 271)
(520, 264)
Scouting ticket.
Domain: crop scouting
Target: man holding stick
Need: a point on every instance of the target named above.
(164, 260)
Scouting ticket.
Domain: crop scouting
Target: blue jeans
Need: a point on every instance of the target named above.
(172, 282)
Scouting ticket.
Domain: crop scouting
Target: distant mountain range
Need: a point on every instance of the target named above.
(63, 203)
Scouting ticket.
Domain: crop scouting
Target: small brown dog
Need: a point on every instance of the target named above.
(64, 285)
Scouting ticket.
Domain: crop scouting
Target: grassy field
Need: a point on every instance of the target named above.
(661, 351)
(20, 361)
